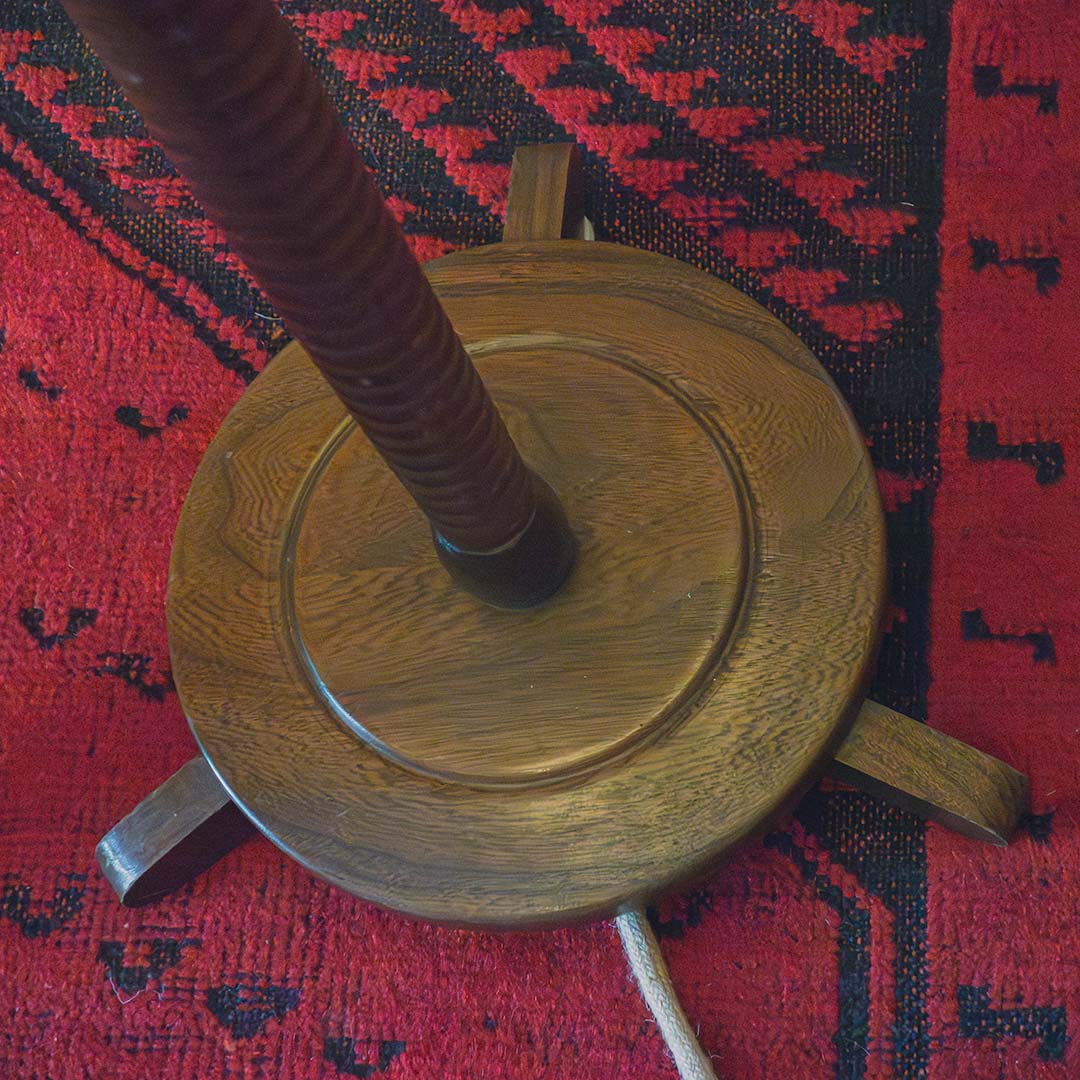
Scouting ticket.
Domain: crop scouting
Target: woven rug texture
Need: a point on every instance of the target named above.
(897, 181)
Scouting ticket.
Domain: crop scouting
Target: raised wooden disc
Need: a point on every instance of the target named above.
(464, 692)
(472, 765)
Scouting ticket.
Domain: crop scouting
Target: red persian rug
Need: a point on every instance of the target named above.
(897, 180)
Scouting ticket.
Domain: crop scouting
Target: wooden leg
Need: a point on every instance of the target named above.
(546, 200)
(172, 836)
(916, 768)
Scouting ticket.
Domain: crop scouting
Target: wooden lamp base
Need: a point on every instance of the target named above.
(701, 668)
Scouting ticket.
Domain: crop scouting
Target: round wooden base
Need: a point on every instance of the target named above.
(471, 765)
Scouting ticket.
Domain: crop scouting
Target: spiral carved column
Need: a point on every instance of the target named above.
(224, 87)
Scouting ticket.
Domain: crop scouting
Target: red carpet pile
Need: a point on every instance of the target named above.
(898, 182)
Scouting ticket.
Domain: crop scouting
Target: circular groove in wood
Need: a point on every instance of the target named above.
(408, 694)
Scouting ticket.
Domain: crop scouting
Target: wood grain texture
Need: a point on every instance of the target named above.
(223, 86)
(926, 772)
(179, 830)
(547, 194)
(760, 432)
(462, 692)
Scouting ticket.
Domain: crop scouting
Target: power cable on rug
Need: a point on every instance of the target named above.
(654, 981)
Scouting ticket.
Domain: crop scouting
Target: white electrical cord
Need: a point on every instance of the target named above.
(647, 964)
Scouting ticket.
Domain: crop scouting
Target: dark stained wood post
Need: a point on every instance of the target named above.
(224, 87)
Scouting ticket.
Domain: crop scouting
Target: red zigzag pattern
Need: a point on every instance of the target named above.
(766, 252)
(788, 161)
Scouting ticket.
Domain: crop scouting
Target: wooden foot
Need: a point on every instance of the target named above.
(172, 836)
(546, 200)
(916, 768)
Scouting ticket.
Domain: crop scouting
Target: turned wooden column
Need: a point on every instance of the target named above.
(224, 87)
